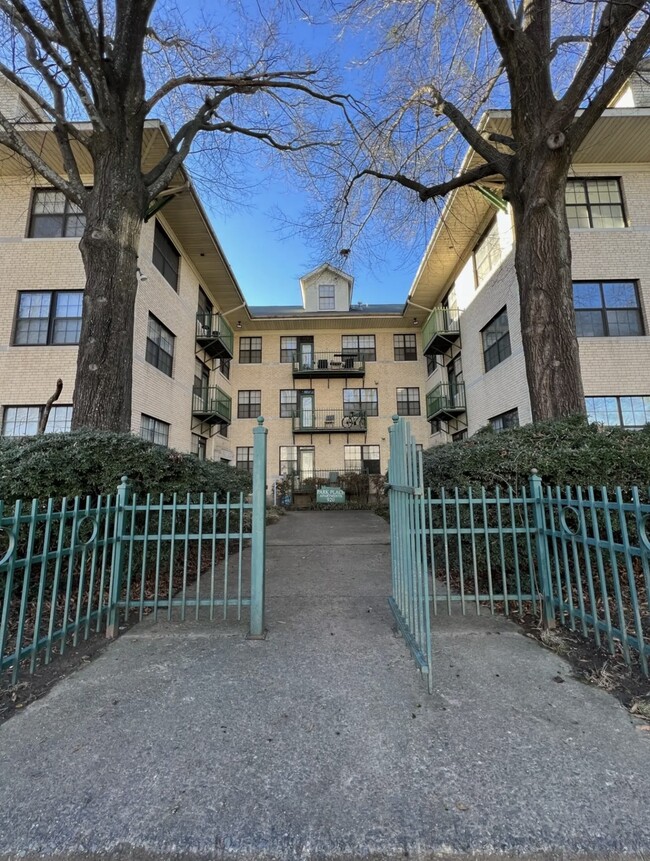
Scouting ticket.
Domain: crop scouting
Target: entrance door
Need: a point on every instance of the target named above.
(306, 408)
(306, 463)
(306, 353)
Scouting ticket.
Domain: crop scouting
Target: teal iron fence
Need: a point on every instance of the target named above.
(73, 567)
(577, 556)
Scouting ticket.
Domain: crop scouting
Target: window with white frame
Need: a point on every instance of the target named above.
(48, 318)
(625, 411)
(360, 400)
(154, 430)
(362, 458)
(594, 202)
(54, 216)
(24, 421)
(487, 253)
(288, 459)
(326, 297)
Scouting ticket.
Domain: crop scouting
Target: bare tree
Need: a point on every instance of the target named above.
(95, 70)
(47, 409)
(556, 66)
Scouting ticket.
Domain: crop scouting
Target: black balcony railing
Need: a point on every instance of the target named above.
(329, 421)
(328, 365)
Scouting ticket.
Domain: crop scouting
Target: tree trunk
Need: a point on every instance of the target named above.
(543, 265)
(109, 247)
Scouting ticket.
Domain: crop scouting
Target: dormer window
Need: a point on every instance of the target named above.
(326, 299)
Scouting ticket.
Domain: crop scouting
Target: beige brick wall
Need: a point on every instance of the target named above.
(271, 376)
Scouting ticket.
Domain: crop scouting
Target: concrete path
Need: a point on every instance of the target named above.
(188, 741)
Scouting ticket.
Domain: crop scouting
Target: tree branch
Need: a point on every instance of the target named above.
(426, 192)
(503, 26)
(565, 40)
(47, 409)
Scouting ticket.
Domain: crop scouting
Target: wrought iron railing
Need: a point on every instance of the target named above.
(212, 333)
(329, 363)
(441, 328)
(329, 421)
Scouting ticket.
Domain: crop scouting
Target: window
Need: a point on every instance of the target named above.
(288, 348)
(359, 346)
(250, 351)
(487, 253)
(23, 421)
(201, 379)
(594, 203)
(435, 425)
(244, 458)
(205, 305)
(360, 400)
(165, 258)
(288, 403)
(326, 300)
(607, 308)
(496, 340)
(408, 402)
(288, 459)
(432, 364)
(459, 436)
(623, 411)
(505, 421)
(153, 430)
(362, 458)
(53, 215)
(49, 318)
(160, 346)
(224, 367)
(249, 404)
(199, 446)
(404, 348)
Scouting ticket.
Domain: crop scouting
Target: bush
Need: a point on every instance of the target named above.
(92, 462)
(569, 451)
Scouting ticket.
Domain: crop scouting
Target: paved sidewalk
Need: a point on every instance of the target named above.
(187, 741)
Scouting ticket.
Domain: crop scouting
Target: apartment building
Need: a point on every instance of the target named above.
(182, 345)
(472, 338)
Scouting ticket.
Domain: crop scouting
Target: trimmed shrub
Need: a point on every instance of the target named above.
(569, 451)
(92, 462)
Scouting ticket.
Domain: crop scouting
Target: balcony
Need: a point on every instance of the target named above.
(328, 365)
(445, 401)
(211, 405)
(214, 335)
(441, 330)
(329, 421)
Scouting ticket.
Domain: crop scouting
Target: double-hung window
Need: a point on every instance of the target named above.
(496, 340)
(361, 458)
(250, 351)
(360, 347)
(53, 216)
(154, 430)
(405, 349)
(360, 400)
(199, 446)
(505, 421)
(165, 258)
(408, 401)
(326, 297)
(244, 458)
(595, 203)
(288, 459)
(288, 349)
(487, 253)
(607, 308)
(288, 403)
(47, 318)
(249, 404)
(160, 346)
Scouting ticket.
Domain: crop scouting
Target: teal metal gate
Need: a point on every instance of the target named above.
(409, 600)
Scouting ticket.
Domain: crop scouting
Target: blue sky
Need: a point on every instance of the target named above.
(266, 261)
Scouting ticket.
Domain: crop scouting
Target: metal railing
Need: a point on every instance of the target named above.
(71, 568)
(326, 364)
(214, 335)
(329, 421)
(441, 329)
(211, 403)
(354, 482)
(446, 400)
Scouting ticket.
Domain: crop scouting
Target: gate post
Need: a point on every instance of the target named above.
(537, 493)
(117, 561)
(256, 629)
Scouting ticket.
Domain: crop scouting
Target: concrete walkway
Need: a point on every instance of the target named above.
(189, 741)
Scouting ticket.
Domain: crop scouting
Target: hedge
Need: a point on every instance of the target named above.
(92, 462)
(569, 451)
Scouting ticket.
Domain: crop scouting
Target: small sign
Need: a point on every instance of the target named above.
(330, 494)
